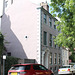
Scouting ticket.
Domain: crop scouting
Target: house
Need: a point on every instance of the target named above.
(29, 29)
(65, 56)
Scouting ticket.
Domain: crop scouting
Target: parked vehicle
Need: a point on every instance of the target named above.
(66, 69)
(29, 69)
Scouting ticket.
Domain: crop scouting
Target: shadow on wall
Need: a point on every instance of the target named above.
(13, 44)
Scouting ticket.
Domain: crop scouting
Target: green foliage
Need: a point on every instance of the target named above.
(65, 10)
(1, 44)
(72, 57)
(9, 62)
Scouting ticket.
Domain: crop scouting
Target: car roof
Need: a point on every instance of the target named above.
(26, 64)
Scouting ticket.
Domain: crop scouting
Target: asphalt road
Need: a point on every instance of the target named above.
(64, 74)
(55, 73)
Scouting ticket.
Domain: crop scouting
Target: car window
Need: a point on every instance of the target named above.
(20, 67)
(39, 67)
(65, 67)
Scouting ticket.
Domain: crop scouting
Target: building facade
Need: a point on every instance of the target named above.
(65, 56)
(51, 53)
(29, 30)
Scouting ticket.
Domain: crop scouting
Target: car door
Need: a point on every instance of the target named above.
(40, 70)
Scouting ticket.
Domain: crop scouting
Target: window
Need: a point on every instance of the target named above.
(9, 53)
(51, 68)
(45, 38)
(54, 25)
(45, 18)
(50, 58)
(39, 67)
(59, 59)
(50, 40)
(50, 22)
(55, 58)
(55, 68)
(20, 67)
(55, 45)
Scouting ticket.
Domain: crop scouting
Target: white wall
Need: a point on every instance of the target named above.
(18, 22)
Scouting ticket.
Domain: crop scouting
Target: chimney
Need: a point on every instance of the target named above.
(45, 6)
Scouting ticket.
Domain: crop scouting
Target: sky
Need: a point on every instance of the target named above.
(33, 1)
(39, 1)
(1, 5)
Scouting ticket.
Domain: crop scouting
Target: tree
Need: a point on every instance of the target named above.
(1, 48)
(65, 10)
(72, 57)
(1, 43)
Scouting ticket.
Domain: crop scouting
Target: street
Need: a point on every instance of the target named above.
(56, 73)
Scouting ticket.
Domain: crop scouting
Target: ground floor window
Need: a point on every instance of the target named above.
(55, 58)
(51, 68)
(50, 58)
(59, 58)
(55, 69)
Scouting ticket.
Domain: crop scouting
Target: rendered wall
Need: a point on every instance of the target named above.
(20, 26)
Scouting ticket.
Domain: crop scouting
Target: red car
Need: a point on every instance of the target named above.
(29, 69)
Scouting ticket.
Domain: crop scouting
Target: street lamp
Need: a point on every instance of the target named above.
(4, 57)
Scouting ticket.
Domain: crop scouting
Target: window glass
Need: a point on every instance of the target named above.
(50, 22)
(54, 26)
(50, 58)
(45, 38)
(39, 67)
(45, 18)
(55, 58)
(59, 59)
(20, 67)
(51, 40)
(65, 66)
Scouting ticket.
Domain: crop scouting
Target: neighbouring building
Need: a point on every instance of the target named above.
(29, 29)
(65, 56)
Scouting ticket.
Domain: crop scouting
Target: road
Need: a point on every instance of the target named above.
(55, 73)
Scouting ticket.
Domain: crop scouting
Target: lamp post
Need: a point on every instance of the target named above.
(4, 57)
